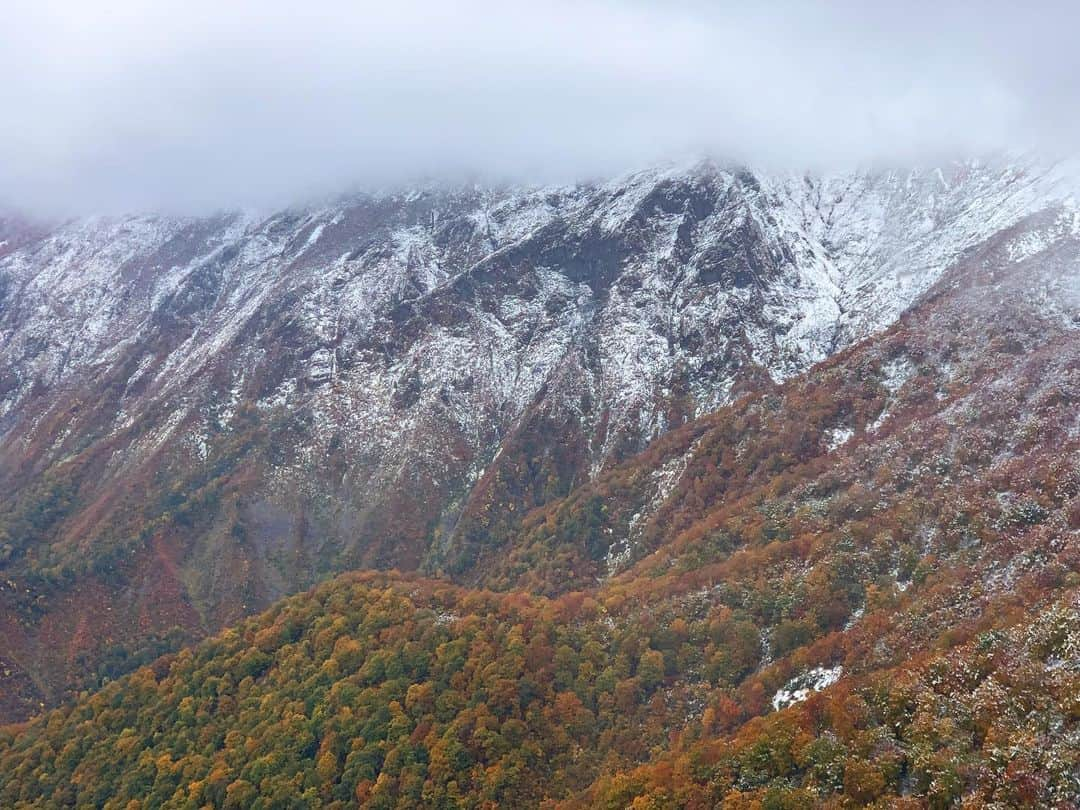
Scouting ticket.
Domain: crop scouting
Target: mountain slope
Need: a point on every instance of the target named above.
(855, 586)
(200, 416)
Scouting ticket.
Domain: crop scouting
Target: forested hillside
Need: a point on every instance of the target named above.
(859, 587)
(202, 415)
(394, 692)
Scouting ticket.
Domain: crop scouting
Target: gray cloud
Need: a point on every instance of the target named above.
(200, 104)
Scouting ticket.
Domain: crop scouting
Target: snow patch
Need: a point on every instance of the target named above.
(896, 372)
(837, 437)
(800, 687)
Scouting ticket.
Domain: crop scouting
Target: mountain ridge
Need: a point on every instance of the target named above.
(856, 587)
(210, 414)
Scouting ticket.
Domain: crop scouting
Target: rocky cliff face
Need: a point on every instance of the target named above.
(198, 416)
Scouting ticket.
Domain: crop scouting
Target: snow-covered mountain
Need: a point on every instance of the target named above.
(208, 413)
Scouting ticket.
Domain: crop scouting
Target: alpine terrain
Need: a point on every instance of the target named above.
(704, 486)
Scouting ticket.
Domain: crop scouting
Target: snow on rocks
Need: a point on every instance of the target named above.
(801, 686)
(451, 313)
(837, 437)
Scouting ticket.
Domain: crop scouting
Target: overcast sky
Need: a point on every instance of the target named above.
(197, 104)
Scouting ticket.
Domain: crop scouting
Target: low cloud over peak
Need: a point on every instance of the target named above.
(197, 105)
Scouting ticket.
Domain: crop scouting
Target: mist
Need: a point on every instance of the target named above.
(200, 105)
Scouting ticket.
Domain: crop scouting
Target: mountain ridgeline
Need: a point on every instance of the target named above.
(700, 487)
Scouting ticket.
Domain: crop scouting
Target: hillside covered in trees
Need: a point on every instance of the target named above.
(397, 692)
(201, 415)
(860, 587)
